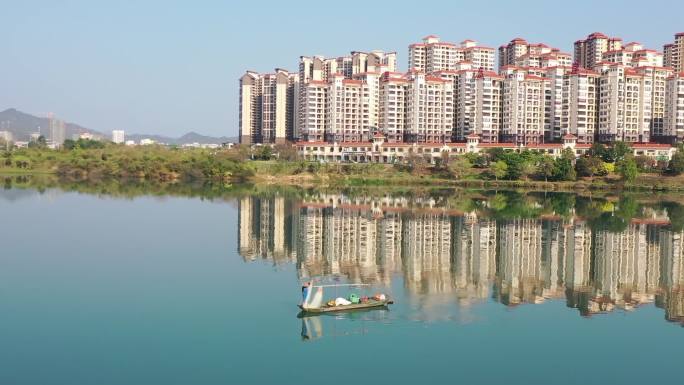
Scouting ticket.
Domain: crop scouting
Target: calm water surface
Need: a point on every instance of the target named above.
(497, 289)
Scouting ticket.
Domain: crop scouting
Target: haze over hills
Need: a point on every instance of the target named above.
(22, 125)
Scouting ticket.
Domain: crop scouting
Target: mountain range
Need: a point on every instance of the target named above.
(22, 125)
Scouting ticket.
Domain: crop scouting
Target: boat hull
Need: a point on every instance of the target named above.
(354, 306)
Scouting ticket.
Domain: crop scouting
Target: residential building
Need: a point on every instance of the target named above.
(589, 51)
(57, 129)
(620, 105)
(634, 55)
(379, 150)
(477, 104)
(553, 107)
(348, 115)
(6, 136)
(673, 122)
(313, 110)
(392, 105)
(579, 115)
(267, 107)
(523, 107)
(118, 136)
(652, 100)
(518, 52)
(429, 109)
(434, 55)
(674, 53)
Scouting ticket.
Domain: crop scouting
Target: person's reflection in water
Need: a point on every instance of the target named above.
(312, 328)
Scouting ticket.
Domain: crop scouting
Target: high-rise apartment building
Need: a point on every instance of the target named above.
(477, 103)
(620, 104)
(392, 105)
(118, 136)
(612, 91)
(57, 129)
(518, 52)
(652, 100)
(579, 115)
(673, 121)
(429, 109)
(313, 110)
(523, 107)
(673, 53)
(434, 55)
(634, 55)
(6, 136)
(553, 108)
(589, 52)
(267, 107)
(348, 115)
(358, 66)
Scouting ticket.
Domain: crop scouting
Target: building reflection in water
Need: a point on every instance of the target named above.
(469, 256)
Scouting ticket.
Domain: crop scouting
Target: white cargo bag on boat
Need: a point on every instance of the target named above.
(341, 301)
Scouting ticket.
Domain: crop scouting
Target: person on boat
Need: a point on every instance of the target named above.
(305, 290)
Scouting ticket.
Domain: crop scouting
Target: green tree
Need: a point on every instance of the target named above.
(563, 167)
(528, 168)
(590, 166)
(616, 152)
(499, 169)
(676, 165)
(459, 166)
(545, 167)
(628, 169)
(597, 149)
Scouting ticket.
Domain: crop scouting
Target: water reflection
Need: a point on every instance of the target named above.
(598, 255)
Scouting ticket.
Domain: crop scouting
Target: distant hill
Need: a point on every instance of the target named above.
(22, 125)
(190, 137)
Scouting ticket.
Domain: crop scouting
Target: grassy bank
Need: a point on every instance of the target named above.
(158, 164)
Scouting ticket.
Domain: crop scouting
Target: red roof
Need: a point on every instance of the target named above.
(352, 82)
(651, 145)
(431, 37)
(597, 35)
(569, 137)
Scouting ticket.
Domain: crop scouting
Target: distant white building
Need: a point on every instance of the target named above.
(130, 143)
(146, 142)
(86, 136)
(6, 136)
(118, 136)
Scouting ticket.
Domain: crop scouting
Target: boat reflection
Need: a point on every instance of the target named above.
(599, 255)
(340, 324)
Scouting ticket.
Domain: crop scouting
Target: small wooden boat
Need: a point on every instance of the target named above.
(370, 304)
(313, 303)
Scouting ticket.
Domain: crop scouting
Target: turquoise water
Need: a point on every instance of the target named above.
(102, 290)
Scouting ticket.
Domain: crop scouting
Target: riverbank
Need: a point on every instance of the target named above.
(156, 164)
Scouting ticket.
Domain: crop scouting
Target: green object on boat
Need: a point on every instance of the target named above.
(354, 298)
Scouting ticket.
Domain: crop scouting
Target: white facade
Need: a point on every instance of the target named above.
(580, 104)
(674, 106)
(118, 136)
(673, 53)
(523, 112)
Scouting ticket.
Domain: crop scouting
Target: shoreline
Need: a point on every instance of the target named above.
(644, 183)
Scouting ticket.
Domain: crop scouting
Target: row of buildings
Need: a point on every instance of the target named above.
(605, 91)
(467, 257)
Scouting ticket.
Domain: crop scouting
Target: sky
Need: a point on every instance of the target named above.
(170, 67)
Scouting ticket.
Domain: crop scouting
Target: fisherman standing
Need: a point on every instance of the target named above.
(305, 290)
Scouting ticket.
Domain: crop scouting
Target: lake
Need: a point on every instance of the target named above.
(489, 287)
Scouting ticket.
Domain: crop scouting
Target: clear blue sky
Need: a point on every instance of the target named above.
(169, 67)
